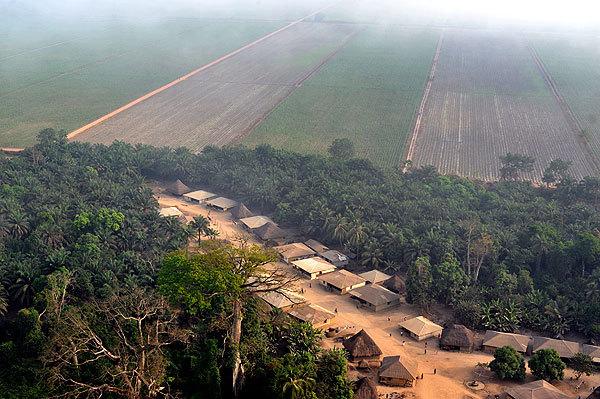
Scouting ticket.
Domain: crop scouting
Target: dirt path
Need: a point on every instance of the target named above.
(415, 133)
(192, 73)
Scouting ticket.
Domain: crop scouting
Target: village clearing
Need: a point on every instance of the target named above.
(453, 369)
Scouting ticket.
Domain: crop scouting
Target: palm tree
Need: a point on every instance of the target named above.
(202, 225)
(298, 388)
(340, 231)
(372, 255)
(3, 300)
(18, 224)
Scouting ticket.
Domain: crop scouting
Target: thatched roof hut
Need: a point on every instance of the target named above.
(457, 337)
(395, 284)
(270, 231)
(178, 188)
(241, 212)
(361, 346)
(365, 389)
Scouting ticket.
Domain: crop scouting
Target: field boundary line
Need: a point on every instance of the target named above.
(570, 116)
(416, 129)
(296, 85)
(133, 103)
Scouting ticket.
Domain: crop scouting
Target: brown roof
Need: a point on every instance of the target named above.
(314, 265)
(270, 231)
(365, 389)
(342, 279)
(311, 313)
(240, 212)
(457, 335)
(374, 294)
(565, 349)
(282, 299)
(361, 345)
(495, 339)
(222, 202)
(396, 284)
(421, 326)
(199, 195)
(294, 250)
(178, 188)
(254, 222)
(374, 276)
(334, 256)
(316, 246)
(396, 367)
(536, 390)
(592, 351)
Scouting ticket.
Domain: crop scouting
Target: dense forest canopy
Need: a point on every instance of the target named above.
(82, 247)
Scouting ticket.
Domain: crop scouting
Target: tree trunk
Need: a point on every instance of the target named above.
(236, 336)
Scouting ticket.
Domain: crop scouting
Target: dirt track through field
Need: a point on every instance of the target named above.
(488, 98)
(415, 133)
(191, 74)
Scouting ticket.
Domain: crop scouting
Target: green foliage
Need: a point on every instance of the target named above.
(198, 282)
(508, 364)
(546, 364)
(582, 364)
(341, 149)
(419, 282)
(332, 370)
(514, 164)
(556, 172)
(449, 280)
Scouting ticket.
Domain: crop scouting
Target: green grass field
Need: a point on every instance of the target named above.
(91, 72)
(573, 63)
(369, 92)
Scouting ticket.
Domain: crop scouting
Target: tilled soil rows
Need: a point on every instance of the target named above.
(488, 98)
(222, 103)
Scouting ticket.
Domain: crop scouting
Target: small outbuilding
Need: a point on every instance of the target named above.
(221, 203)
(592, 351)
(365, 388)
(284, 299)
(374, 276)
(270, 232)
(565, 349)
(421, 328)
(535, 390)
(342, 281)
(398, 372)
(313, 267)
(375, 297)
(494, 340)
(177, 188)
(294, 251)
(335, 257)
(361, 346)
(314, 314)
(171, 211)
(198, 196)
(457, 338)
(254, 222)
(316, 246)
(395, 284)
(241, 212)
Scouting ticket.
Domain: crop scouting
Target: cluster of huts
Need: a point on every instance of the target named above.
(399, 371)
(529, 345)
(376, 291)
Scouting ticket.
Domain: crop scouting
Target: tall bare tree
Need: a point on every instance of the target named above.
(114, 346)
